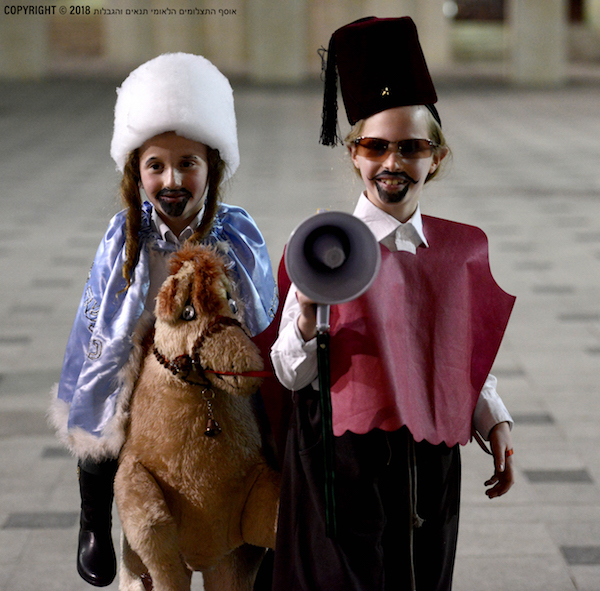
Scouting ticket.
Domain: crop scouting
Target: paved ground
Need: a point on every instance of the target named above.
(525, 169)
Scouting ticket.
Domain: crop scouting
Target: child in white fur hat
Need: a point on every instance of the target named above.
(175, 140)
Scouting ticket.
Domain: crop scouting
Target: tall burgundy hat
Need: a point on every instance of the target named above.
(380, 65)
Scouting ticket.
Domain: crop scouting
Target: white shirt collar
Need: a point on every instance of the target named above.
(390, 232)
(168, 235)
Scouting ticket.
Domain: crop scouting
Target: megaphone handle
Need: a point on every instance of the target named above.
(322, 318)
(327, 430)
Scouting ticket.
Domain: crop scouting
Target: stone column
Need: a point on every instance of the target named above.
(215, 33)
(538, 42)
(387, 9)
(24, 45)
(434, 33)
(277, 40)
(592, 14)
(224, 37)
(433, 26)
(182, 26)
(325, 17)
(129, 39)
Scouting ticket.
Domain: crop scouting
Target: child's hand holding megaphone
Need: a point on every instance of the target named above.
(307, 320)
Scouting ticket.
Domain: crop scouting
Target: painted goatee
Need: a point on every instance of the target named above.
(397, 196)
(173, 203)
(392, 196)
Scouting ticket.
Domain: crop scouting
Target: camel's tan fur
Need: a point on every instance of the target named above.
(188, 502)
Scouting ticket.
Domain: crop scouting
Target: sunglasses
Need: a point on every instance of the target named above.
(374, 148)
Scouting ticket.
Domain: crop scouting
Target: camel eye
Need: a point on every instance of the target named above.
(188, 312)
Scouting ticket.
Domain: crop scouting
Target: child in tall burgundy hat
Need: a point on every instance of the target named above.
(410, 359)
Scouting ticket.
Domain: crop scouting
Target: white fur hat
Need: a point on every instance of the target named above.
(177, 92)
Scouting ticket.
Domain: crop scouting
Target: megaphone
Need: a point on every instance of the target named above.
(332, 257)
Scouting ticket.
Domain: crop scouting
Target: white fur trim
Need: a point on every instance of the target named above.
(80, 443)
(177, 92)
(84, 445)
(58, 416)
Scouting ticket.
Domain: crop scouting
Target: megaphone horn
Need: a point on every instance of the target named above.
(332, 257)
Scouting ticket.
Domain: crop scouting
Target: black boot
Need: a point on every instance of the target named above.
(96, 559)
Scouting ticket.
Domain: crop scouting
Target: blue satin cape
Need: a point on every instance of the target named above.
(101, 339)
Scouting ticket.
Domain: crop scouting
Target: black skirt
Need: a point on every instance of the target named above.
(377, 546)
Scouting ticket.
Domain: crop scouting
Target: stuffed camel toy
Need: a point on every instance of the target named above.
(193, 489)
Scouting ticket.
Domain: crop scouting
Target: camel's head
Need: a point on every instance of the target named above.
(198, 319)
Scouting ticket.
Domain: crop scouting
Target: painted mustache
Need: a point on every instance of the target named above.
(170, 193)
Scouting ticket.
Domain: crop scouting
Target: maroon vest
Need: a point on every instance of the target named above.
(417, 347)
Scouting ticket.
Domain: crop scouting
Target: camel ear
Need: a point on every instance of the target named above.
(174, 294)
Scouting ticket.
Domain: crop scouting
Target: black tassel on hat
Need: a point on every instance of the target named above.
(329, 127)
(381, 65)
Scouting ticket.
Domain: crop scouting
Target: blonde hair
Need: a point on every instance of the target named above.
(132, 201)
(434, 131)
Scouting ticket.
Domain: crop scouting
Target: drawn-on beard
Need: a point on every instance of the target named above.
(393, 196)
(173, 208)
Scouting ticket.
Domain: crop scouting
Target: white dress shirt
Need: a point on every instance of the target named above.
(295, 360)
(159, 261)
